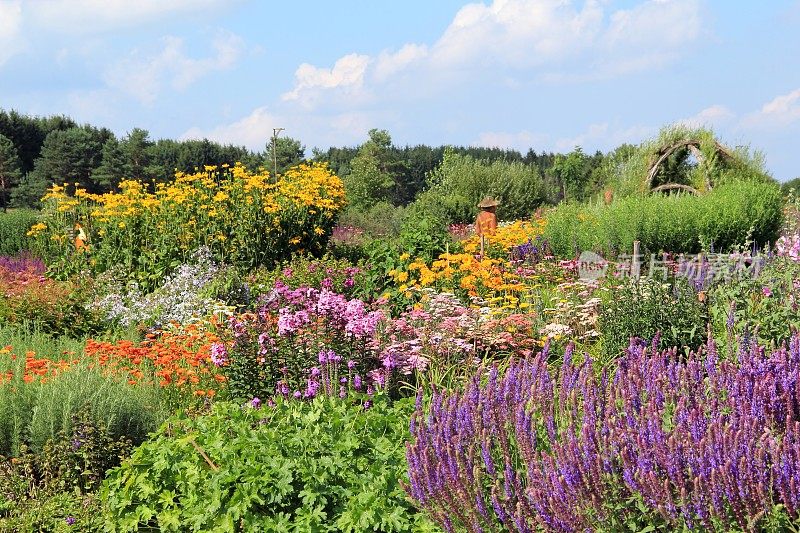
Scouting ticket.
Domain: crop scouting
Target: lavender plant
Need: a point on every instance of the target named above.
(696, 443)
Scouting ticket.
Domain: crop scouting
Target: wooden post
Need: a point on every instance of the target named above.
(483, 244)
(635, 265)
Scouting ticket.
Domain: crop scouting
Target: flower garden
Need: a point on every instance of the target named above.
(216, 354)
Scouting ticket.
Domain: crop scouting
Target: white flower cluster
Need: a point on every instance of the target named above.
(181, 298)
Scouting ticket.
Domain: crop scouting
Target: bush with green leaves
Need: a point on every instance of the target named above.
(33, 413)
(683, 167)
(14, 226)
(461, 181)
(337, 275)
(324, 465)
(766, 307)
(731, 215)
(648, 307)
(53, 490)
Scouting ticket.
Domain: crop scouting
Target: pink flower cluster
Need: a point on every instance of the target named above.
(442, 330)
(353, 317)
(789, 246)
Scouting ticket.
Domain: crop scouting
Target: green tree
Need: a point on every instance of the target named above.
(370, 179)
(10, 169)
(69, 156)
(571, 172)
(112, 167)
(30, 190)
(791, 184)
(28, 133)
(459, 183)
(136, 148)
(288, 153)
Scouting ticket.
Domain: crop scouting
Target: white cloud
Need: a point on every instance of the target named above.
(650, 34)
(251, 131)
(255, 129)
(347, 73)
(780, 112)
(10, 29)
(521, 140)
(96, 16)
(517, 33)
(143, 77)
(551, 40)
(602, 136)
(713, 116)
(391, 63)
(21, 22)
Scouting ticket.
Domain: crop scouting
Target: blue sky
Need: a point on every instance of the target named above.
(546, 74)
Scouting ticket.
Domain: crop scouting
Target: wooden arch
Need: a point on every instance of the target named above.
(665, 151)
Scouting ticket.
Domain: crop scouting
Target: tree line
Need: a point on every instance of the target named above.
(36, 152)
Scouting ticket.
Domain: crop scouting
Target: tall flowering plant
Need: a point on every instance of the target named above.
(298, 343)
(660, 442)
(245, 218)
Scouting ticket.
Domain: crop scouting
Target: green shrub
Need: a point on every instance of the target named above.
(31, 414)
(14, 226)
(61, 512)
(327, 465)
(740, 164)
(764, 306)
(55, 307)
(382, 220)
(729, 216)
(53, 490)
(25, 338)
(461, 181)
(649, 306)
(342, 276)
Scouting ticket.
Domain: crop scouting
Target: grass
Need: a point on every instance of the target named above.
(33, 413)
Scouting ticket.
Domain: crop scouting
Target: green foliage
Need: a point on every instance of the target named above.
(327, 465)
(461, 181)
(370, 179)
(10, 168)
(31, 414)
(381, 220)
(14, 226)
(288, 153)
(51, 347)
(70, 156)
(28, 133)
(59, 512)
(52, 490)
(730, 215)
(790, 185)
(764, 306)
(29, 191)
(572, 171)
(302, 271)
(649, 306)
(680, 168)
(54, 307)
(424, 236)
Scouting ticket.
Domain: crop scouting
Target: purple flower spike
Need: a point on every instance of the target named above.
(700, 441)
